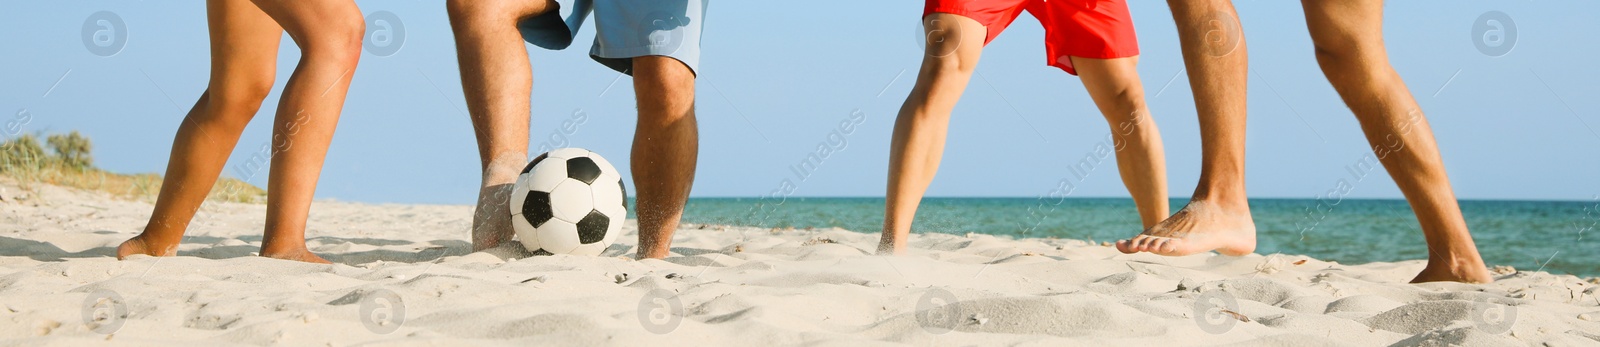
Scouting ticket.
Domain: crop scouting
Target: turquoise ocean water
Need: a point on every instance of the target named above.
(1559, 236)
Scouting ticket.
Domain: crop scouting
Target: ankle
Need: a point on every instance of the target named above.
(892, 241)
(139, 245)
(1221, 191)
(156, 243)
(891, 248)
(1226, 205)
(1457, 261)
(652, 252)
(271, 247)
(503, 169)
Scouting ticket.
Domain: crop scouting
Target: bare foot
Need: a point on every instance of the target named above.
(301, 255)
(1201, 226)
(1464, 271)
(509, 251)
(491, 221)
(891, 249)
(889, 244)
(137, 245)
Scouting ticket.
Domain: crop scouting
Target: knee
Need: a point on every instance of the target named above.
(1345, 51)
(1128, 111)
(947, 66)
(921, 116)
(230, 108)
(667, 117)
(1128, 97)
(1119, 89)
(1358, 66)
(1121, 99)
(1329, 55)
(239, 97)
(666, 112)
(943, 55)
(665, 88)
(337, 42)
(663, 70)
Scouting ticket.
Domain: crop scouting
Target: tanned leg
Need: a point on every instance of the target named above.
(1218, 215)
(244, 54)
(1115, 87)
(954, 46)
(497, 79)
(329, 36)
(666, 144)
(1349, 45)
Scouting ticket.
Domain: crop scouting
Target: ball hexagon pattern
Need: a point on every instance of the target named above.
(568, 201)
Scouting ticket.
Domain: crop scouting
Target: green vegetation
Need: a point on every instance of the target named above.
(69, 164)
(72, 150)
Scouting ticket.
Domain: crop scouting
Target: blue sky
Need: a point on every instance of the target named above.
(777, 79)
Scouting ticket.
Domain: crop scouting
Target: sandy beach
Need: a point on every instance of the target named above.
(404, 276)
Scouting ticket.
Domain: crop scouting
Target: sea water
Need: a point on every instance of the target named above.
(1557, 236)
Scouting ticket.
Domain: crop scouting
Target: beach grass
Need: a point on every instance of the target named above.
(65, 160)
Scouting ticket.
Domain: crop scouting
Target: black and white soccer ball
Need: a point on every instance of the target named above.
(568, 201)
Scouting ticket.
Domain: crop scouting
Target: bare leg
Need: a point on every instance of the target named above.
(666, 145)
(1218, 215)
(329, 36)
(496, 78)
(244, 53)
(1114, 84)
(1349, 42)
(954, 46)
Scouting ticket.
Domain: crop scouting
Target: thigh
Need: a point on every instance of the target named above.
(312, 23)
(953, 37)
(994, 15)
(244, 42)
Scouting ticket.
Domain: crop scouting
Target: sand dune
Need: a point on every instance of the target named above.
(404, 277)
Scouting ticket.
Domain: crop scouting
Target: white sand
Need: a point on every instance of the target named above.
(736, 286)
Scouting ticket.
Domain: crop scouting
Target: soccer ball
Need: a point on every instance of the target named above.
(568, 201)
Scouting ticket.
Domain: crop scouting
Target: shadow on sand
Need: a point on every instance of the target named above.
(423, 252)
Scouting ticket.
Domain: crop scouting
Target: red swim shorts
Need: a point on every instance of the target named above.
(1099, 29)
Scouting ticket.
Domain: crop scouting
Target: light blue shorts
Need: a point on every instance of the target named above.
(624, 29)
